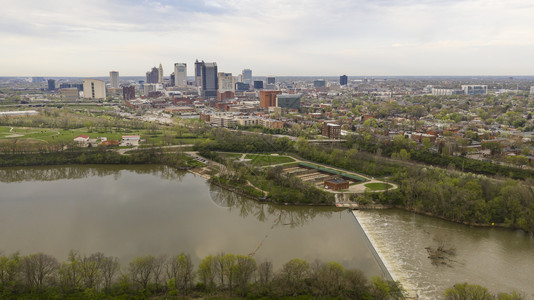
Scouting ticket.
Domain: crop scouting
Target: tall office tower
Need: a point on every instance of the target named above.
(226, 82)
(239, 77)
(198, 73)
(180, 74)
(270, 79)
(343, 80)
(258, 84)
(51, 85)
(319, 83)
(247, 76)
(94, 89)
(226, 86)
(173, 79)
(268, 98)
(152, 76)
(160, 74)
(210, 84)
(128, 92)
(114, 79)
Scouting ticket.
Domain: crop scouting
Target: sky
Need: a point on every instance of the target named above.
(272, 37)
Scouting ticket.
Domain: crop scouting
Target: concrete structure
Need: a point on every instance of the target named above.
(179, 109)
(82, 139)
(94, 89)
(226, 82)
(130, 140)
(70, 94)
(128, 92)
(272, 124)
(160, 74)
(475, 89)
(271, 80)
(258, 84)
(532, 91)
(247, 76)
(152, 76)
(180, 75)
(18, 113)
(268, 98)
(51, 85)
(241, 86)
(319, 83)
(209, 82)
(198, 73)
(331, 131)
(289, 101)
(343, 80)
(114, 79)
(446, 92)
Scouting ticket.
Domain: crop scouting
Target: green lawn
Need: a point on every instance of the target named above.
(266, 160)
(230, 155)
(378, 186)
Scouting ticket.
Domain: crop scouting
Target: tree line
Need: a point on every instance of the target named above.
(97, 276)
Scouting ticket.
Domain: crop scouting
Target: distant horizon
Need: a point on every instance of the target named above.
(299, 76)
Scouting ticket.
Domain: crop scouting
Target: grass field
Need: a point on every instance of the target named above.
(47, 135)
(230, 155)
(378, 186)
(266, 160)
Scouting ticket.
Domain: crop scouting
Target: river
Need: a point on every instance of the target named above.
(130, 211)
(498, 259)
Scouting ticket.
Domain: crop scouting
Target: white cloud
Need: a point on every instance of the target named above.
(271, 37)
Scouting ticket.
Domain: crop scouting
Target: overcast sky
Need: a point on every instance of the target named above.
(271, 37)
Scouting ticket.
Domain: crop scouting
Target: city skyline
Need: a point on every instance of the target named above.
(361, 38)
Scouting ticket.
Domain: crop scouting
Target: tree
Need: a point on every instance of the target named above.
(206, 272)
(38, 270)
(70, 274)
(463, 291)
(141, 269)
(109, 267)
(244, 269)
(9, 269)
(265, 273)
(180, 269)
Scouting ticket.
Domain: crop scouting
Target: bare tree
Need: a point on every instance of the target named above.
(38, 269)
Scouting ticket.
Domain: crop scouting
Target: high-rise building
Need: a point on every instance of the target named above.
(319, 83)
(532, 91)
(210, 84)
(268, 98)
(128, 92)
(270, 79)
(114, 79)
(343, 80)
(226, 82)
(152, 76)
(291, 101)
(226, 86)
(94, 89)
(475, 89)
(160, 74)
(180, 74)
(198, 73)
(38, 79)
(241, 86)
(258, 84)
(51, 85)
(247, 76)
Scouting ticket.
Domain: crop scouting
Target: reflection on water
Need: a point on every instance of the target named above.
(498, 259)
(128, 211)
